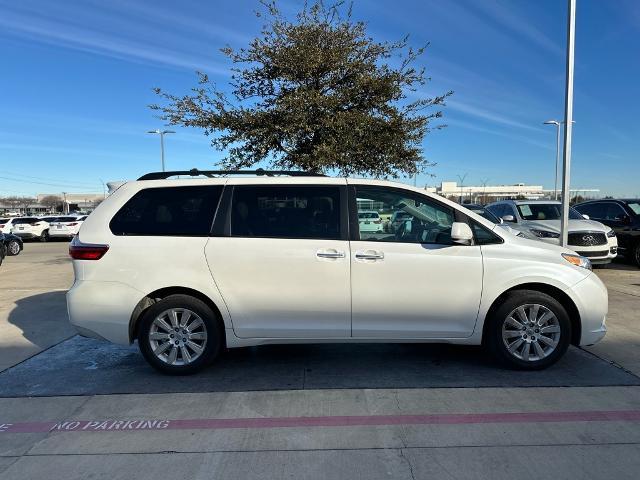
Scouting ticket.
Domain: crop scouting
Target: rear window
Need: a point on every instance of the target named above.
(4, 220)
(177, 211)
(26, 220)
(67, 219)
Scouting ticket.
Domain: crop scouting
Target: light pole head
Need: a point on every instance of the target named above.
(552, 122)
(167, 131)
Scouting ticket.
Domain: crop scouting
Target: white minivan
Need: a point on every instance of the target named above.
(188, 267)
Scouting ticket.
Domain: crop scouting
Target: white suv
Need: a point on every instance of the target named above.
(65, 227)
(191, 266)
(540, 219)
(31, 228)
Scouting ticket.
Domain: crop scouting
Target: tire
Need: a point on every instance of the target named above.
(157, 344)
(44, 236)
(13, 248)
(636, 255)
(547, 342)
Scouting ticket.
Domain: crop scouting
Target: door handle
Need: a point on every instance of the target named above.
(329, 254)
(369, 256)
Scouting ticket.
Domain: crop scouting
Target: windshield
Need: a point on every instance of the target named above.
(635, 206)
(486, 214)
(545, 211)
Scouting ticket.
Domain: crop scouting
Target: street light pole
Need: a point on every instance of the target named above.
(568, 123)
(555, 184)
(162, 133)
(461, 185)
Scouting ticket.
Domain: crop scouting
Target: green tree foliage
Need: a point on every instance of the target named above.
(317, 94)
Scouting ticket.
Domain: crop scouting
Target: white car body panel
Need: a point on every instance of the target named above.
(279, 291)
(26, 230)
(65, 229)
(6, 226)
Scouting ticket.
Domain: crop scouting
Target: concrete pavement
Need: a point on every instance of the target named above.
(32, 305)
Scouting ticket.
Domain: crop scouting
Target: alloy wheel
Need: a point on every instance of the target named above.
(178, 336)
(531, 332)
(14, 248)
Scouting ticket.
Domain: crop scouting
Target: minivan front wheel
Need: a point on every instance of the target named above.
(179, 335)
(530, 330)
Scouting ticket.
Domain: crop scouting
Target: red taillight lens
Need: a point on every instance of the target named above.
(85, 251)
(72, 224)
(2, 225)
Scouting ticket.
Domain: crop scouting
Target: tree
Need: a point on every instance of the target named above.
(315, 94)
(52, 202)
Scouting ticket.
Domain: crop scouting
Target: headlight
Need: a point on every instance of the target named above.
(544, 233)
(577, 260)
(611, 233)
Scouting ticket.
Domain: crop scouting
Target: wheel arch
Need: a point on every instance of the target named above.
(555, 292)
(157, 295)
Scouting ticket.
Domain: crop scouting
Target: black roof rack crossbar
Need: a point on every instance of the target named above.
(194, 172)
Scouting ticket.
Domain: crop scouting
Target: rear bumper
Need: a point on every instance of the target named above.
(64, 233)
(25, 235)
(102, 309)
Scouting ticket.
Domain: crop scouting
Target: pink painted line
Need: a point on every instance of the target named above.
(326, 421)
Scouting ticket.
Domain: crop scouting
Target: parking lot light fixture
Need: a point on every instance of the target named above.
(162, 133)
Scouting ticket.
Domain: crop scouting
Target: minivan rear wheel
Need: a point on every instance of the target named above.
(179, 335)
(530, 330)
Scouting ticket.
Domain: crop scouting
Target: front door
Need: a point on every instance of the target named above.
(283, 266)
(411, 281)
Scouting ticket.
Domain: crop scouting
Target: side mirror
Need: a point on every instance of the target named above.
(585, 216)
(461, 233)
(509, 218)
(624, 218)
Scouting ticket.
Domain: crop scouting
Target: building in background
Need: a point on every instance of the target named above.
(490, 193)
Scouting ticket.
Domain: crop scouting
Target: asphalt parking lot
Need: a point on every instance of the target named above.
(72, 407)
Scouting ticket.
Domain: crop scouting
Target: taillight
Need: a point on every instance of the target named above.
(377, 221)
(2, 225)
(86, 251)
(72, 224)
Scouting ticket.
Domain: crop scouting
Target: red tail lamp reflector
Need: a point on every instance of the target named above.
(86, 251)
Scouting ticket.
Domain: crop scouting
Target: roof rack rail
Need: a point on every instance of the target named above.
(194, 172)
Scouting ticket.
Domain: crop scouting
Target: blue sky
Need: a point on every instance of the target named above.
(76, 80)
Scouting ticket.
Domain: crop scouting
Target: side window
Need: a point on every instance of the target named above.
(286, 212)
(176, 211)
(613, 211)
(402, 217)
(484, 236)
(496, 210)
(594, 210)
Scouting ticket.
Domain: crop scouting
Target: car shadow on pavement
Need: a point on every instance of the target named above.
(81, 366)
(42, 318)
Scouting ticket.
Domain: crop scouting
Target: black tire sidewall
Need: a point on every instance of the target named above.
(214, 334)
(636, 255)
(499, 316)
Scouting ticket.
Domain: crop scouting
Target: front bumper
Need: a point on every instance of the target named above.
(592, 300)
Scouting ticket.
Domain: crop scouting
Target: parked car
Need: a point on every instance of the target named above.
(65, 227)
(6, 224)
(3, 248)
(623, 216)
(541, 219)
(483, 212)
(369, 221)
(189, 267)
(31, 228)
(398, 218)
(12, 243)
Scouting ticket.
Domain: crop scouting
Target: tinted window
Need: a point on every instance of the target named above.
(496, 210)
(25, 220)
(613, 211)
(286, 212)
(4, 220)
(180, 211)
(594, 210)
(67, 219)
(412, 218)
(483, 212)
(484, 236)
